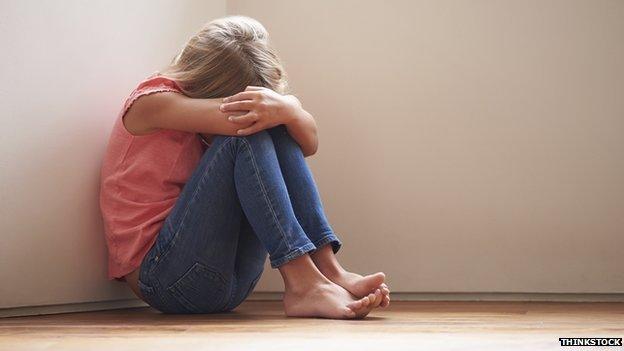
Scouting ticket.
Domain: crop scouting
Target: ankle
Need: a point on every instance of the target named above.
(332, 272)
(301, 275)
(316, 288)
(309, 287)
(326, 262)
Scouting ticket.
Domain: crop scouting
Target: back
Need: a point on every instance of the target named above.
(141, 178)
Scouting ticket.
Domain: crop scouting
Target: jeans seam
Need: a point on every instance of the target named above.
(265, 193)
(162, 255)
(300, 251)
(327, 237)
(234, 290)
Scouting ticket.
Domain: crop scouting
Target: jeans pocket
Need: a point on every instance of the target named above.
(252, 286)
(146, 291)
(201, 289)
(243, 293)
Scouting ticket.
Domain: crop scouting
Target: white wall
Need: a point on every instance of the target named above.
(66, 67)
(483, 146)
(465, 146)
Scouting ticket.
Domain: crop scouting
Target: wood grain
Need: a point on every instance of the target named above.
(261, 325)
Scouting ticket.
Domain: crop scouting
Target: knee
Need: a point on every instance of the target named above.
(261, 136)
(258, 141)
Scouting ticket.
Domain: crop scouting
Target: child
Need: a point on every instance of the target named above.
(205, 173)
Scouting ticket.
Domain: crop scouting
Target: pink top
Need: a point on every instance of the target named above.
(141, 178)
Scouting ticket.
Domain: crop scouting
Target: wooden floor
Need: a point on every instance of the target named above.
(261, 325)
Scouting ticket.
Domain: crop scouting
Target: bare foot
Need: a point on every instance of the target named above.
(356, 284)
(375, 300)
(329, 300)
(359, 285)
(385, 302)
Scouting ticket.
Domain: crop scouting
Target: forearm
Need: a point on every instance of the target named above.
(302, 128)
(204, 116)
(173, 111)
(268, 109)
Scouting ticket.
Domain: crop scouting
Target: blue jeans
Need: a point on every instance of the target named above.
(249, 196)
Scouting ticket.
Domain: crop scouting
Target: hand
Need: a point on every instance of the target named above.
(262, 107)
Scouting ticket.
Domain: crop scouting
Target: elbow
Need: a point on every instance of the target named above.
(310, 150)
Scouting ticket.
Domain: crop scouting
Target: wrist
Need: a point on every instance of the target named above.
(293, 111)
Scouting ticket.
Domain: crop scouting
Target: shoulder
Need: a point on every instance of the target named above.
(156, 82)
(149, 104)
(151, 96)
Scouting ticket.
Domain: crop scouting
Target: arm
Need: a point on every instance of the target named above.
(268, 109)
(302, 127)
(169, 110)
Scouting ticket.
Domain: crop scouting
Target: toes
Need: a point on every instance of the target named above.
(365, 300)
(372, 298)
(378, 298)
(378, 278)
(349, 313)
(372, 281)
(385, 301)
(360, 308)
(355, 305)
(367, 304)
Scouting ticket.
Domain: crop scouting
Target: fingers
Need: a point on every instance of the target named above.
(244, 95)
(254, 88)
(244, 119)
(237, 106)
(256, 127)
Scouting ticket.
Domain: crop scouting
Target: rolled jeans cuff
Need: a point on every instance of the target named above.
(329, 238)
(300, 251)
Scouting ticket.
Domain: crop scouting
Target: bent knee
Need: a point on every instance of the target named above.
(260, 141)
(262, 135)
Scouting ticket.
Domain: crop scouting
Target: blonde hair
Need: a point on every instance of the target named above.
(226, 56)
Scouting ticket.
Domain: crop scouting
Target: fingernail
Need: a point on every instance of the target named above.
(222, 107)
(231, 118)
(239, 132)
(225, 100)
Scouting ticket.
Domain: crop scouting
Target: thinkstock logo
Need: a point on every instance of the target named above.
(590, 341)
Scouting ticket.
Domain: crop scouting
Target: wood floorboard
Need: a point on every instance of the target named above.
(261, 325)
